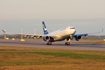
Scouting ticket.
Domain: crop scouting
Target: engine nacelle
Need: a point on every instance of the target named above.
(48, 39)
(78, 38)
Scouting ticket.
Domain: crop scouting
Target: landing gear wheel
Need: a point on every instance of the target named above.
(49, 43)
(67, 43)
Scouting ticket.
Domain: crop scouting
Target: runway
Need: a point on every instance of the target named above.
(57, 45)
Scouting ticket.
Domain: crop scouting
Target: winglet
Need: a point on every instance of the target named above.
(97, 32)
(3, 31)
(102, 30)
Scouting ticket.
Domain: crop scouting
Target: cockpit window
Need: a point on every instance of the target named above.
(72, 28)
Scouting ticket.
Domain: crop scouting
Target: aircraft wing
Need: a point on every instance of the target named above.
(87, 33)
(31, 35)
(37, 35)
(78, 36)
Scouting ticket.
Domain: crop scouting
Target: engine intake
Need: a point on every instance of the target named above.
(78, 38)
(48, 39)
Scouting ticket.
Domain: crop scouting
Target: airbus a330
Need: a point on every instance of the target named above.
(66, 33)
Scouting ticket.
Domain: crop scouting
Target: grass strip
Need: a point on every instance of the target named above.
(72, 55)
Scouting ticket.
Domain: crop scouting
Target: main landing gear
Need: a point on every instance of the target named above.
(49, 43)
(67, 43)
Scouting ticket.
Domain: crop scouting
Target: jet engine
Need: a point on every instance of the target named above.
(48, 39)
(78, 38)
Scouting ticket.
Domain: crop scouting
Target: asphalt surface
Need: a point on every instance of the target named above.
(57, 45)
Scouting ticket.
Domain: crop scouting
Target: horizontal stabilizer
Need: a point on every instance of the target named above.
(3, 31)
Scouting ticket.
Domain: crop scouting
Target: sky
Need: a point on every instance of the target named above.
(85, 15)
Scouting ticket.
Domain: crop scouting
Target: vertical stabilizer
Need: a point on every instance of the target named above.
(44, 28)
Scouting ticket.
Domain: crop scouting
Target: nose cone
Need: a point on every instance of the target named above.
(74, 31)
(71, 30)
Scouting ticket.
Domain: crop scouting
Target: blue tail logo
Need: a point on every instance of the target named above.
(44, 28)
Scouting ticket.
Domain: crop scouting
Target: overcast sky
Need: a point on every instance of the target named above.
(85, 15)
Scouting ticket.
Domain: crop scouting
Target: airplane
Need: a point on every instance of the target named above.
(66, 33)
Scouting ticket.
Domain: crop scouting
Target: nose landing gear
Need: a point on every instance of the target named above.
(49, 43)
(67, 43)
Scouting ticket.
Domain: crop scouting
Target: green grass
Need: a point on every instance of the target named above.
(18, 58)
(72, 55)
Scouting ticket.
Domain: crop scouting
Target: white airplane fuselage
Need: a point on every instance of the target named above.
(63, 33)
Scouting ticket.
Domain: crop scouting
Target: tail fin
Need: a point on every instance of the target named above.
(44, 28)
